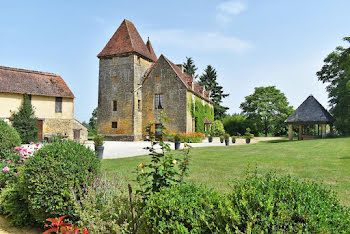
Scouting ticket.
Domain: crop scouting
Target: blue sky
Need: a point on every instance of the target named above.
(250, 43)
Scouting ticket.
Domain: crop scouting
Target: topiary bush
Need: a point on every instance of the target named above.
(49, 177)
(271, 204)
(217, 129)
(183, 208)
(9, 138)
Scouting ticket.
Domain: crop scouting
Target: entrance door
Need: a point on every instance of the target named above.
(40, 133)
(76, 133)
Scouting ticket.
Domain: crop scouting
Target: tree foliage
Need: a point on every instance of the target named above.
(267, 108)
(336, 73)
(236, 124)
(208, 80)
(93, 120)
(25, 122)
(189, 67)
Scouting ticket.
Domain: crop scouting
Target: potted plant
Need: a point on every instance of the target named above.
(222, 137)
(233, 138)
(98, 141)
(177, 140)
(248, 136)
(210, 138)
(227, 139)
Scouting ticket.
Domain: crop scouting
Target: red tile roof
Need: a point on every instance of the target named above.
(15, 80)
(188, 80)
(125, 40)
(151, 51)
(207, 121)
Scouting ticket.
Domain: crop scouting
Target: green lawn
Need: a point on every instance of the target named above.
(326, 161)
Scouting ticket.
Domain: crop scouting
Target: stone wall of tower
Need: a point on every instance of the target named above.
(119, 80)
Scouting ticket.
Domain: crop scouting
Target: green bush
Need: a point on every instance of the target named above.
(98, 140)
(9, 138)
(48, 178)
(235, 124)
(217, 128)
(14, 206)
(271, 204)
(104, 207)
(182, 208)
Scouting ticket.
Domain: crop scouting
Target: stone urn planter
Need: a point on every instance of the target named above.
(233, 140)
(227, 139)
(222, 139)
(177, 140)
(247, 140)
(98, 141)
(210, 139)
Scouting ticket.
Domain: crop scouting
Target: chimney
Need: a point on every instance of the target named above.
(181, 67)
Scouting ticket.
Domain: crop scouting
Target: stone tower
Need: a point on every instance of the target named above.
(123, 64)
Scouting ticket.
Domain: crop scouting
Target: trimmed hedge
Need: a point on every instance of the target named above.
(49, 177)
(9, 138)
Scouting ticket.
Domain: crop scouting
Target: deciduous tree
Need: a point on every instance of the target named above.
(336, 73)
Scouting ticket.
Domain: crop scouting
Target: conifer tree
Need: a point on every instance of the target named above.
(189, 67)
(25, 122)
(208, 80)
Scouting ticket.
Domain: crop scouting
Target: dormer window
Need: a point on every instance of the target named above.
(159, 101)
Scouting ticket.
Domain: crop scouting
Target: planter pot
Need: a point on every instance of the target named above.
(99, 151)
(227, 141)
(177, 145)
(247, 141)
(221, 140)
(233, 140)
(210, 139)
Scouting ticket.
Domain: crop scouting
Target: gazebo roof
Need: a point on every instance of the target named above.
(310, 111)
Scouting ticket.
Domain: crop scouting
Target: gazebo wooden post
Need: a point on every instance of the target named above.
(323, 126)
(331, 129)
(300, 132)
(290, 131)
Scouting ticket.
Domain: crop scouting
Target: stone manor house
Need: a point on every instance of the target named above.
(51, 98)
(136, 88)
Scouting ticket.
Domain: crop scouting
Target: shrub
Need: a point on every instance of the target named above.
(104, 207)
(9, 138)
(235, 124)
(217, 128)
(98, 140)
(183, 208)
(25, 122)
(48, 178)
(271, 204)
(227, 136)
(177, 137)
(192, 137)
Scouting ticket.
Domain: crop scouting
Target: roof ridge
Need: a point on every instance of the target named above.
(27, 71)
(127, 28)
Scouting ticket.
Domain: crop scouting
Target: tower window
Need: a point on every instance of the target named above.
(114, 125)
(114, 105)
(158, 130)
(139, 105)
(58, 105)
(159, 101)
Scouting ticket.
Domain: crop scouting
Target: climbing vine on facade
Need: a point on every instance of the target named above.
(199, 112)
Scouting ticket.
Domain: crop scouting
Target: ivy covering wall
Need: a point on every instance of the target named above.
(199, 112)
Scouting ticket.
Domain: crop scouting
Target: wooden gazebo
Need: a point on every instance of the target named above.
(309, 117)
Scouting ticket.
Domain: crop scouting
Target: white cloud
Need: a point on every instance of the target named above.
(200, 41)
(226, 10)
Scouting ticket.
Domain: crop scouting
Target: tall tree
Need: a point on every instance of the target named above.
(336, 73)
(208, 80)
(93, 120)
(267, 108)
(189, 67)
(25, 122)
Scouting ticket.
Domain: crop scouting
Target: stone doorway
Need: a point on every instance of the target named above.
(76, 134)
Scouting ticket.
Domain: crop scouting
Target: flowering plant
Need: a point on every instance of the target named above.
(58, 226)
(164, 170)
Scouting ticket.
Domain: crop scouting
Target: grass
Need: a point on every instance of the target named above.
(324, 160)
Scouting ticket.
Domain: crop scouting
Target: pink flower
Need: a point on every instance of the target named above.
(17, 148)
(9, 161)
(37, 144)
(5, 169)
(32, 143)
(25, 150)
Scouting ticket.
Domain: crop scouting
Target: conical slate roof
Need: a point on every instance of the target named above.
(126, 40)
(310, 111)
(151, 51)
